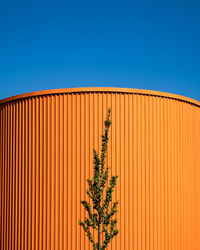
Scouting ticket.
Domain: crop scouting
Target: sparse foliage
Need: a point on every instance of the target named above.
(100, 215)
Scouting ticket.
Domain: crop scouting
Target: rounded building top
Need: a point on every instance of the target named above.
(101, 89)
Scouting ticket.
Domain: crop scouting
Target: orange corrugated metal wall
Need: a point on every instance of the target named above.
(46, 155)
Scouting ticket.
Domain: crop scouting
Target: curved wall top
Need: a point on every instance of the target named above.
(101, 89)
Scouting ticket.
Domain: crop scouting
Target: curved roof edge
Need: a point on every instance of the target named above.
(101, 89)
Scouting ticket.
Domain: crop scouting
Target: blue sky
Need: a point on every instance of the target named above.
(138, 44)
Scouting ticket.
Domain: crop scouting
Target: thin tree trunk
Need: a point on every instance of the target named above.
(99, 237)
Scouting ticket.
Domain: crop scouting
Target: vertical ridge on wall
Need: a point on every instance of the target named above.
(46, 157)
(48, 172)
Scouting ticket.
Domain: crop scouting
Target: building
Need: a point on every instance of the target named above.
(46, 155)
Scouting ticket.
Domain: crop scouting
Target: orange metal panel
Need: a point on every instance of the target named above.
(46, 155)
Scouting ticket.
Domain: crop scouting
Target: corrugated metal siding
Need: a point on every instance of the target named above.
(46, 150)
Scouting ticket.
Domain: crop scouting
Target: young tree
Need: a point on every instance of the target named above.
(100, 218)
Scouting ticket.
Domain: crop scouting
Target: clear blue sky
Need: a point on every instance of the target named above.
(138, 44)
